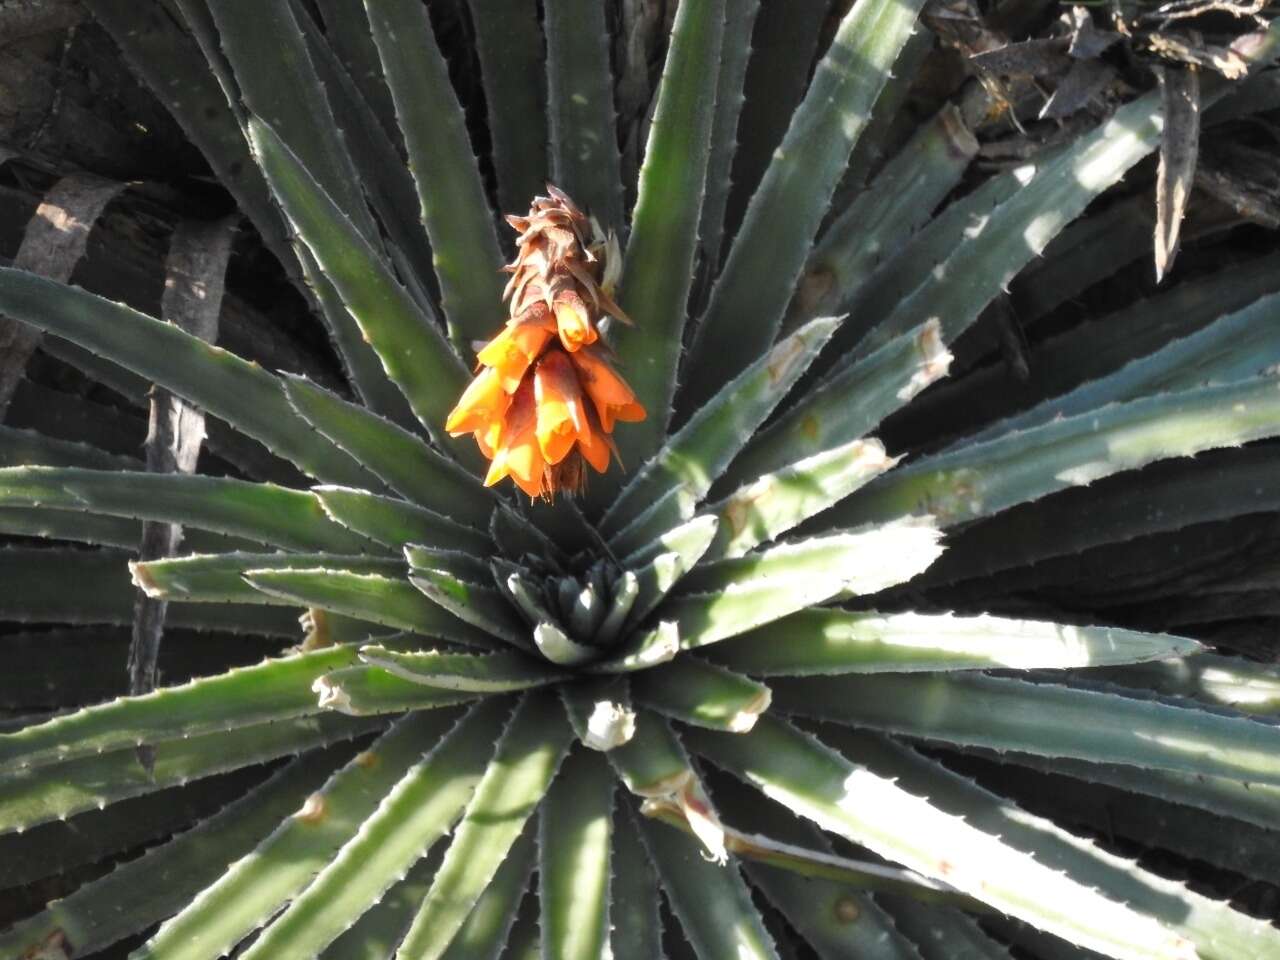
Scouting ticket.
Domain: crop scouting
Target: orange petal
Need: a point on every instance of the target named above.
(612, 397)
(594, 444)
(559, 401)
(518, 455)
(573, 321)
(511, 351)
(482, 403)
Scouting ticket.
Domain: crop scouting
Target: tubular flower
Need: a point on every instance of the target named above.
(546, 396)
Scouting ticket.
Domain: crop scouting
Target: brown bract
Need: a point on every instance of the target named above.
(546, 395)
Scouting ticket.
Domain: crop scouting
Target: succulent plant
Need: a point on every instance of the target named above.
(519, 725)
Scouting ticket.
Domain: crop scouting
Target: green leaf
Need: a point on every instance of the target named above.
(37, 590)
(412, 349)
(599, 710)
(527, 758)
(219, 578)
(709, 899)
(696, 455)
(652, 763)
(454, 208)
(31, 796)
(247, 894)
(20, 448)
(626, 590)
(580, 117)
(375, 935)
(735, 52)
(278, 83)
(397, 457)
(484, 933)
(68, 525)
(1234, 347)
(645, 649)
(558, 647)
(779, 501)
(897, 202)
(477, 604)
(416, 811)
(1044, 719)
(817, 782)
(637, 922)
(258, 511)
(574, 833)
(1219, 933)
(272, 690)
(389, 601)
(164, 878)
(988, 477)
(733, 596)
(509, 45)
(396, 523)
(828, 641)
(770, 249)
(500, 672)
(1220, 681)
(658, 271)
(366, 691)
(943, 934)
(241, 393)
(463, 564)
(846, 405)
(696, 692)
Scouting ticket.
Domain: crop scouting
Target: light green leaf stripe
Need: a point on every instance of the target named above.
(500, 672)
(1043, 719)
(817, 782)
(1219, 933)
(21, 448)
(413, 350)
(285, 862)
(696, 454)
(769, 252)
(710, 900)
(828, 641)
(30, 796)
(218, 578)
(262, 512)
(415, 813)
(366, 691)
(574, 866)
(272, 690)
(454, 208)
(386, 600)
(658, 270)
(239, 392)
(528, 756)
(158, 883)
(985, 478)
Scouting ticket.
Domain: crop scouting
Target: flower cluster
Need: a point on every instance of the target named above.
(546, 397)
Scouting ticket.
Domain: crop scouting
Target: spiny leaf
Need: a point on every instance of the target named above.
(770, 249)
(416, 811)
(500, 672)
(528, 755)
(454, 208)
(412, 349)
(241, 393)
(812, 642)
(1044, 719)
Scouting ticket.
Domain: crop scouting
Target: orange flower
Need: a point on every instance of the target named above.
(527, 407)
(612, 397)
(517, 453)
(483, 403)
(518, 345)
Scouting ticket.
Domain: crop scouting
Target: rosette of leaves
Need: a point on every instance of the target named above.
(518, 728)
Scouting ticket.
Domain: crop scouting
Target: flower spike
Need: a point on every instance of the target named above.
(543, 404)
